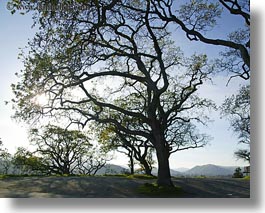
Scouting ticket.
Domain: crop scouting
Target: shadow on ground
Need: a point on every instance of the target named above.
(115, 187)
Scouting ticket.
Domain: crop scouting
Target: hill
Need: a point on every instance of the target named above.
(111, 169)
(210, 170)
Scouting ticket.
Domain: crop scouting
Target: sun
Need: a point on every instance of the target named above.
(41, 99)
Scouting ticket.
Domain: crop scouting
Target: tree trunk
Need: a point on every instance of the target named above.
(164, 177)
(147, 169)
(131, 165)
(162, 153)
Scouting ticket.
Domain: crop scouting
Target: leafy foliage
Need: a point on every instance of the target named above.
(116, 63)
(237, 109)
(27, 162)
(67, 151)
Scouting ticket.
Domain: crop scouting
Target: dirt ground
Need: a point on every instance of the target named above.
(115, 187)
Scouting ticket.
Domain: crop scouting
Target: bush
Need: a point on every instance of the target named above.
(238, 173)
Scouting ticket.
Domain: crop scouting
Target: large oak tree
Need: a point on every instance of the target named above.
(88, 62)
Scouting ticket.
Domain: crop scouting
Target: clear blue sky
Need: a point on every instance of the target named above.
(15, 31)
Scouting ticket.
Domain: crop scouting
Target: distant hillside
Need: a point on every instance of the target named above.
(207, 170)
(182, 169)
(172, 172)
(111, 169)
(210, 170)
(175, 173)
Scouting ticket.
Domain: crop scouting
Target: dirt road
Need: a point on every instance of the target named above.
(115, 187)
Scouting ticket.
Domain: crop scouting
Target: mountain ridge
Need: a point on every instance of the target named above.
(211, 170)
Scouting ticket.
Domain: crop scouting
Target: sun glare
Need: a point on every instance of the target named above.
(41, 99)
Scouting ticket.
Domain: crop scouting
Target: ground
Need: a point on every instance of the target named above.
(117, 187)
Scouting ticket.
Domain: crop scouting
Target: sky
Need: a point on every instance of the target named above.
(15, 32)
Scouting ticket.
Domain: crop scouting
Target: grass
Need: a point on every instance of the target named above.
(142, 176)
(153, 190)
(2, 176)
(135, 176)
(114, 175)
(246, 178)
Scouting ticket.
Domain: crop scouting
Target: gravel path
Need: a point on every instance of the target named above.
(114, 187)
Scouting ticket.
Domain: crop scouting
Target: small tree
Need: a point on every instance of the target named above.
(68, 151)
(61, 147)
(238, 173)
(5, 159)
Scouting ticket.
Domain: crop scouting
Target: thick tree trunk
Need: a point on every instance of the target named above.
(162, 152)
(164, 177)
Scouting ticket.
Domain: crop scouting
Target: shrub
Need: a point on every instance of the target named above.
(238, 173)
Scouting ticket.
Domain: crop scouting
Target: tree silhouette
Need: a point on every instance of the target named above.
(136, 148)
(67, 151)
(237, 110)
(196, 18)
(126, 45)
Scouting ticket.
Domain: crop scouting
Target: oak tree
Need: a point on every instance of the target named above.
(87, 62)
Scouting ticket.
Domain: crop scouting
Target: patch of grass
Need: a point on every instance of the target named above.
(153, 190)
(24, 175)
(246, 178)
(135, 176)
(115, 175)
(2, 176)
(142, 176)
(200, 177)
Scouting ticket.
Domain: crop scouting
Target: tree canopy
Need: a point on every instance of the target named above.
(67, 151)
(117, 63)
(237, 110)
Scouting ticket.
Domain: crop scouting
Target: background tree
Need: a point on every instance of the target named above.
(91, 162)
(5, 159)
(238, 173)
(237, 110)
(61, 148)
(68, 151)
(75, 51)
(26, 162)
(135, 148)
(146, 161)
(6, 162)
